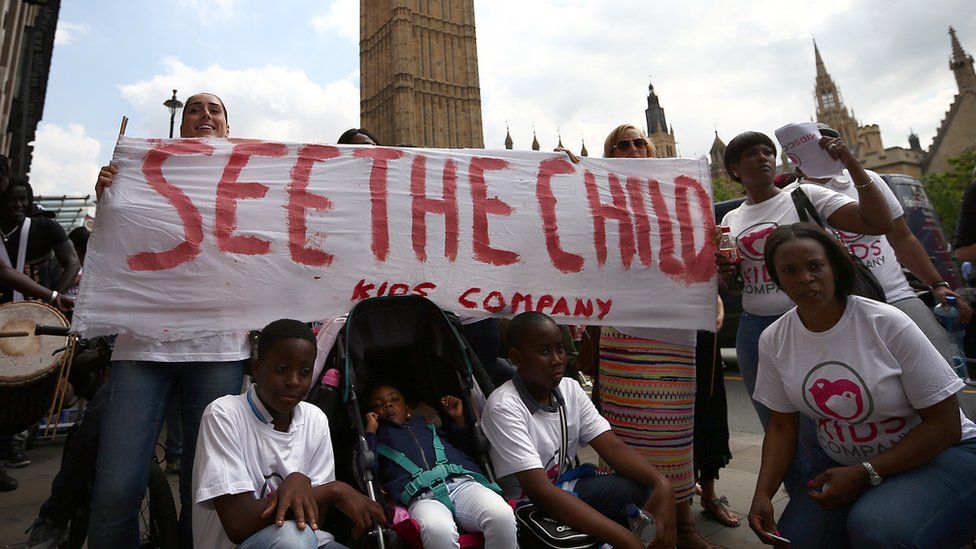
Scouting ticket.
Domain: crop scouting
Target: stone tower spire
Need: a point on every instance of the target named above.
(583, 151)
(535, 141)
(961, 64)
(657, 126)
(717, 158)
(830, 104)
(418, 65)
(508, 138)
(654, 113)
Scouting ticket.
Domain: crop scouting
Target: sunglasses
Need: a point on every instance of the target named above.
(625, 145)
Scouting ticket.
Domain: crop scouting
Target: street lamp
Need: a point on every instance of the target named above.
(173, 104)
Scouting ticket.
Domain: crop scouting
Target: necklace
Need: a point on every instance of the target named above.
(6, 235)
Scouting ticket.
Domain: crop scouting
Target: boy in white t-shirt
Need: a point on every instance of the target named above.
(264, 471)
(522, 422)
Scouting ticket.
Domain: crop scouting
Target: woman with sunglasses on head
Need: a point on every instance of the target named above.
(661, 427)
(750, 159)
(902, 453)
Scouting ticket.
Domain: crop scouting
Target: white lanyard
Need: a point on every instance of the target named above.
(21, 253)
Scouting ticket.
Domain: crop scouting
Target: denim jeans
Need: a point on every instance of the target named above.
(476, 509)
(809, 456)
(174, 429)
(933, 505)
(136, 401)
(610, 494)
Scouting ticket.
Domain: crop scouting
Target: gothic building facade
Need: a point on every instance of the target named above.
(419, 73)
(864, 140)
(957, 132)
(26, 46)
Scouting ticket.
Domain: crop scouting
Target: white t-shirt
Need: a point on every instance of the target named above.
(752, 223)
(861, 381)
(239, 451)
(874, 250)
(522, 440)
(216, 348)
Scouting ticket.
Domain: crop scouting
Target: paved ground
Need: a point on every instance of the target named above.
(18, 508)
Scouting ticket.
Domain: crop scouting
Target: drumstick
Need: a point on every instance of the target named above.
(14, 334)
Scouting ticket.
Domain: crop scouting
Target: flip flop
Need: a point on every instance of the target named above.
(713, 506)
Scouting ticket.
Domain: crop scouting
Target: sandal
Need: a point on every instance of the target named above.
(718, 509)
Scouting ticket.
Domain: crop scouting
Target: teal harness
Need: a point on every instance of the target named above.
(435, 478)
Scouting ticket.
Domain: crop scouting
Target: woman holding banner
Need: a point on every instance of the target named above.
(142, 379)
(750, 159)
(647, 382)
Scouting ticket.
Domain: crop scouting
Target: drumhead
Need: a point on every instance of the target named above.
(27, 358)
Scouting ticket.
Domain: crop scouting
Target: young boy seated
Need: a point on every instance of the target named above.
(521, 420)
(453, 486)
(264, 473)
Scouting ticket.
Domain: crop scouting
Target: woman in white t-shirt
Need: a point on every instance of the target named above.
(904, 454)
(750, 159)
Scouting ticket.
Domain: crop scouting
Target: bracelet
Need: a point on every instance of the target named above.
(54, 296)
(870, 181)
(939, 284)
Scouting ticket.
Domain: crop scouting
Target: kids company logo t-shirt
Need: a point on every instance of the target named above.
(751, 224)
(874, 250)
(861, 381)
(523, 439)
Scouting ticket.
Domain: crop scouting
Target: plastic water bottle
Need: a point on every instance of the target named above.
(641, 524)
(948, 315)
(727, 245)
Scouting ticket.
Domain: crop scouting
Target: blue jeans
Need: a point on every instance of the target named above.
(610, 494)
(809, 456)
(286, 537)
(136, 401)
(930, 506)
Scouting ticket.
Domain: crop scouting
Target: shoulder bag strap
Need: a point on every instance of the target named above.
(804, 208)
(563, 441)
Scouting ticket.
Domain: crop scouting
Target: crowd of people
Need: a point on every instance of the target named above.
(856, 395)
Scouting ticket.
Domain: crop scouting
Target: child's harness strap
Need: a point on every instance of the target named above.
(435, 478)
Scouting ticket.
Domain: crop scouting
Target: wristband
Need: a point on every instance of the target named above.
(939, 284)
(54, 296)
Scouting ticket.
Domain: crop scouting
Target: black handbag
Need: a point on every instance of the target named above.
(865, 283)
(536, 529)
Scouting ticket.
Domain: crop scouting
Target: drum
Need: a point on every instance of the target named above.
(29, 364)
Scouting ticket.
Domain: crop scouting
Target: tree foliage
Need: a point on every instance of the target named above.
(945, 189)
(726, 189)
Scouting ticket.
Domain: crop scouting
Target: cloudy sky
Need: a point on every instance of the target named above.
(289, 70)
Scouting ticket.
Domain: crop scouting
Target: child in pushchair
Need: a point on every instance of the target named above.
(427, 470)
(410, 344)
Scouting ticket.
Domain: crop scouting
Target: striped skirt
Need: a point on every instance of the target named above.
(647, 393)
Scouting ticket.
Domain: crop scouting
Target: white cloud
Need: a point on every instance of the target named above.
(583, 66)
(342, 17)
(65, 160)
(211, 12)
(66, 32)
(273, 102)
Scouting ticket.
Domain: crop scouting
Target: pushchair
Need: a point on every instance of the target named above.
(410, 342)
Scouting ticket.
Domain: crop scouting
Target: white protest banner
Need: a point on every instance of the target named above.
(204, 236)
